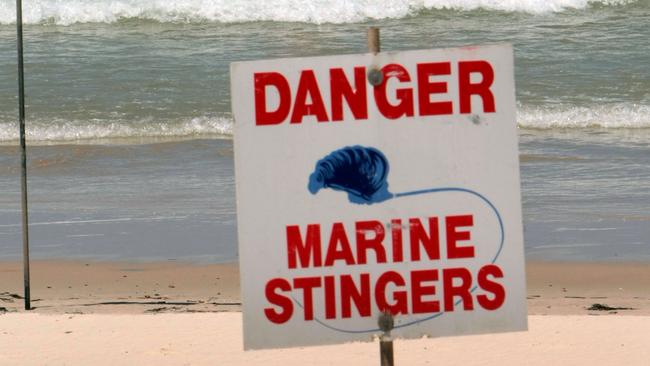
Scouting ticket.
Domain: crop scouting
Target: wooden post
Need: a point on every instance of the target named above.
(375, 76)
(373, 40)
(385, 320)
(386, 324)
(23, 149)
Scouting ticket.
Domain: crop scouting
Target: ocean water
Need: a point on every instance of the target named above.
(130, 128)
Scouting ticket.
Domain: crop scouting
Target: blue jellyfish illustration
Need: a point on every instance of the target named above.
(359, 171)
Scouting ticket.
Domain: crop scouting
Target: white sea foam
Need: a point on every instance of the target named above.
(619, 116)
(66, 12)
(70, 131)
(606, 116)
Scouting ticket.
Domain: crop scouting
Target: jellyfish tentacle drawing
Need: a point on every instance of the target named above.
(362, 173)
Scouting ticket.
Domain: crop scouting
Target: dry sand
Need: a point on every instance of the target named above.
(89, 313)
(215, 339)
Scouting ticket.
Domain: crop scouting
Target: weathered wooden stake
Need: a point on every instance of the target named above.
(375, 76)
(373, 40)
(386, 324)
(385, 321)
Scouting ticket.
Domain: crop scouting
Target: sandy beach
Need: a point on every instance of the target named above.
(215, 339)
(63, 287)
(133, 110)
(176, 313)
(69, 287)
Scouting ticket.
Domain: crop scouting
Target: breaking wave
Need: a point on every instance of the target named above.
(619, 116)
(608, 116)
(67, 12)
(71, 131)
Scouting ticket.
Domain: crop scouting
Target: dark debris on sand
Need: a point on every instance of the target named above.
(603, 307)
(9, 297)
(164, 309)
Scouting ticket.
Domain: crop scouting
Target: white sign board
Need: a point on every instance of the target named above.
(354, 199)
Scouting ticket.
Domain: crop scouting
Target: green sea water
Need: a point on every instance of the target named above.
(128, 115)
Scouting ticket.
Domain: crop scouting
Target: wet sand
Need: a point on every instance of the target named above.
(556, 288)
(60, 287)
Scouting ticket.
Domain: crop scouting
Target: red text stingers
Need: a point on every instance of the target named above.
(420, 291)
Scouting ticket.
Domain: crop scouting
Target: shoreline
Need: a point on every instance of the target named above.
(90, 287)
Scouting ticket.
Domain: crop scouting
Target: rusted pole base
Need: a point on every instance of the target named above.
(386, 352)
(386, 324)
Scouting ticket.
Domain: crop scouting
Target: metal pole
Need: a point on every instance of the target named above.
(23, 148)
(386, 324)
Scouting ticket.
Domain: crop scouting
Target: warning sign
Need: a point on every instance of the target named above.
(356, 198)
